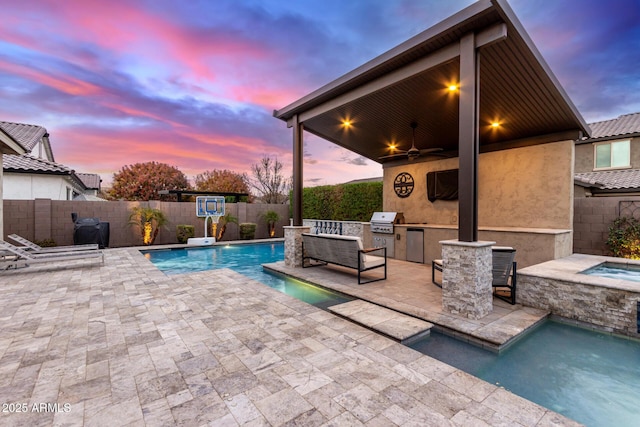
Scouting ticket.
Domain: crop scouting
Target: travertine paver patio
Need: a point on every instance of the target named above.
(408, 289)
(123, 344)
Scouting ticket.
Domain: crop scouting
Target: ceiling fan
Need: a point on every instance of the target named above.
(413, 152)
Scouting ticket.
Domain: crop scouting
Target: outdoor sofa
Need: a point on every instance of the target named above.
(346, 251)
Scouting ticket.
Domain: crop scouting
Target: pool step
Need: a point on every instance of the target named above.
(403, 328)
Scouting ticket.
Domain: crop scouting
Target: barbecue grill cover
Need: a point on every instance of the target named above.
(91, 231)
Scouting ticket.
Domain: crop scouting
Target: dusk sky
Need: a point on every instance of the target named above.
(194, 83)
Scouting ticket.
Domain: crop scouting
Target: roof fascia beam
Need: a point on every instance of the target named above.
(491, 35)
(570, 135)
(486, 37)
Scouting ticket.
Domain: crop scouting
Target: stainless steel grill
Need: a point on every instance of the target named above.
(382, 222)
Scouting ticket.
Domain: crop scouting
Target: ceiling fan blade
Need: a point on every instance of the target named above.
(430, 150)
(391, 156)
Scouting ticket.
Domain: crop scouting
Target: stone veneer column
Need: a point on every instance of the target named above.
(466, 278)
(293, 244)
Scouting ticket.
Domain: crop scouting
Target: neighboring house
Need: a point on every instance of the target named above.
(365, 180)
(8, 146)
(35, 174)
(92, 183)
(608, 163)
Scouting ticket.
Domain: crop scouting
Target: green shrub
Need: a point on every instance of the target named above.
(185, 232)
(624, 238)
(247, 230)
(46, 243)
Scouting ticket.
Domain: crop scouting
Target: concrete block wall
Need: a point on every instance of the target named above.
(51, 219)
(591, 221)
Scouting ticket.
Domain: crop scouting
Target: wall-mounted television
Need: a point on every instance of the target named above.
(442, 185)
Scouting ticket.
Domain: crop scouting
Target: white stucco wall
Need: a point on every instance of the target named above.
(21, 186)
(1, 199)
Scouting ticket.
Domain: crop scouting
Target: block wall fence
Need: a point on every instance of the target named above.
(592, 217)
(42, 219)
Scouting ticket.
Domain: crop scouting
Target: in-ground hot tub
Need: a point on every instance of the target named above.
(615, 270)
(566, 288)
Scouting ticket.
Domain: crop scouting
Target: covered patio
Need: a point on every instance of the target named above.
(484, 107)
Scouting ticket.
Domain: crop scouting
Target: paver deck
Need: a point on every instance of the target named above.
(408, 289)
(123, 344)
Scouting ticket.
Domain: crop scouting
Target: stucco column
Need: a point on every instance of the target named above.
(293, 244)
(466, 278)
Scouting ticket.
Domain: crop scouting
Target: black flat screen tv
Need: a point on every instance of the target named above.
(442, 185)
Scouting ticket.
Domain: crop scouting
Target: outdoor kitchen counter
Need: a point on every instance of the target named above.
(533, 245)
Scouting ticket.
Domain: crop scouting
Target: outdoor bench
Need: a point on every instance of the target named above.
(345, 251)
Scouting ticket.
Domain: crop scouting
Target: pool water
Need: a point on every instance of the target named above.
(615, 271)
(588, 376)
(246, 259)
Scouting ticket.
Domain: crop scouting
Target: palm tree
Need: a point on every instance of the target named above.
(271, 217)
(222, 225)
(149, 220)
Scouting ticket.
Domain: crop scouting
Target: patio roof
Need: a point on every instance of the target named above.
(410, 83)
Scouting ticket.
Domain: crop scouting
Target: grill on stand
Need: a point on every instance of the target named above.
(382, 229)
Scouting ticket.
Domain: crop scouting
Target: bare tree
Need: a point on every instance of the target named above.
(269, 182)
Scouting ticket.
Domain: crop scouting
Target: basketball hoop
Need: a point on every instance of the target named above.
(208, 207)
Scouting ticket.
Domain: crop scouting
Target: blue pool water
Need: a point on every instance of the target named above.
(615, 271)
(591, 377)
(246, 259)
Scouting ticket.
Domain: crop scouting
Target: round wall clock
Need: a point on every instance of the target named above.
(403, 184)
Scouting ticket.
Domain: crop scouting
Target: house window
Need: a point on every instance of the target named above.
(612, 155)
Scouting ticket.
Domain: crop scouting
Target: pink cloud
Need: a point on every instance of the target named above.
(66, 84)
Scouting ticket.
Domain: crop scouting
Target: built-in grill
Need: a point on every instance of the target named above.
(382, 222)
(382, 233)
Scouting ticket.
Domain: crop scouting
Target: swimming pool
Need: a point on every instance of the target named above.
(614, 270)
(246, 259)
(588, 376)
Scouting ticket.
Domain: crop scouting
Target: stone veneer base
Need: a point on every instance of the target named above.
(466, 278)
(293, 245)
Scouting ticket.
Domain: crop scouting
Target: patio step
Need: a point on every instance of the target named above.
(401, 327)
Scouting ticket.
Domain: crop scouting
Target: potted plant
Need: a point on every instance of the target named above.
(149, 220)
(271, 218)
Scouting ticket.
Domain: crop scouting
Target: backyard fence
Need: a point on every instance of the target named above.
(44, 219)
(592, 217)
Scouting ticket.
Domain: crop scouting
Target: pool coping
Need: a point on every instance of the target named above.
(569, 269)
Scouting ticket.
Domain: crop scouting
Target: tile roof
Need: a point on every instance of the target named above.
(623, 125)
(89, 198)
(90, 180)
(26, 135)
(28, 163)
(610, 180)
